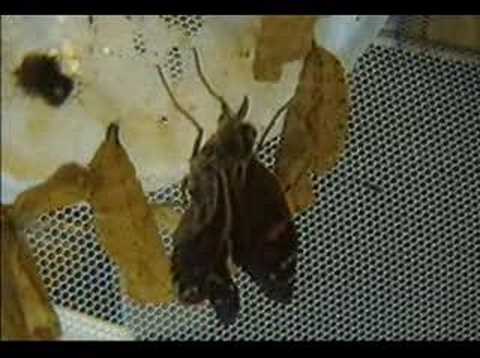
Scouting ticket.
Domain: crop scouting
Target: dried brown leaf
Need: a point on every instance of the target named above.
(68, 185)
(126, 224)
(315, 129)
(329, 109)
(294, 159)
(281, 39)
(454, 31)
(26, 313)
(300, 196)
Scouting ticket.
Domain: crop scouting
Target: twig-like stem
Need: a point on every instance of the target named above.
(272, 123)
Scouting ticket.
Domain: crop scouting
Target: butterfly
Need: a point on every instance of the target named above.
(237, 213)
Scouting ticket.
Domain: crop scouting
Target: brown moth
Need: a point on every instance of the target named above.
(237, 212)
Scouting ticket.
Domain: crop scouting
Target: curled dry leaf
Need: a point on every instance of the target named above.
(126, 224)
(67, 186)
(300, 194)
(281, 39)
(315, 129)
(26, 313)
(294, 161)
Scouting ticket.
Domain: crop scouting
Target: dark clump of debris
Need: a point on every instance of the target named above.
(40, 75)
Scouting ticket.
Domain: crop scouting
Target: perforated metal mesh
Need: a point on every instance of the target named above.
(391, 249)
(189, 24)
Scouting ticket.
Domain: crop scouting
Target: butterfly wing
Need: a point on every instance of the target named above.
(264, 239)
(202, 248)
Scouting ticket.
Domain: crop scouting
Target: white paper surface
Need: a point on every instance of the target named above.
(80, 327)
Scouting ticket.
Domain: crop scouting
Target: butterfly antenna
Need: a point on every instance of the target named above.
(272, 122)
(187, 115)
(209, 88)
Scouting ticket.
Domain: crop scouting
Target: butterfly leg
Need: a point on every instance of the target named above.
(272, 123)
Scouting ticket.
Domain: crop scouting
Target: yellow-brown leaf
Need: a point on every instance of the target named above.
(126, 225)
(281, 39)
(300, 196)
(26, 313)
(67, 186)
(315, 128)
